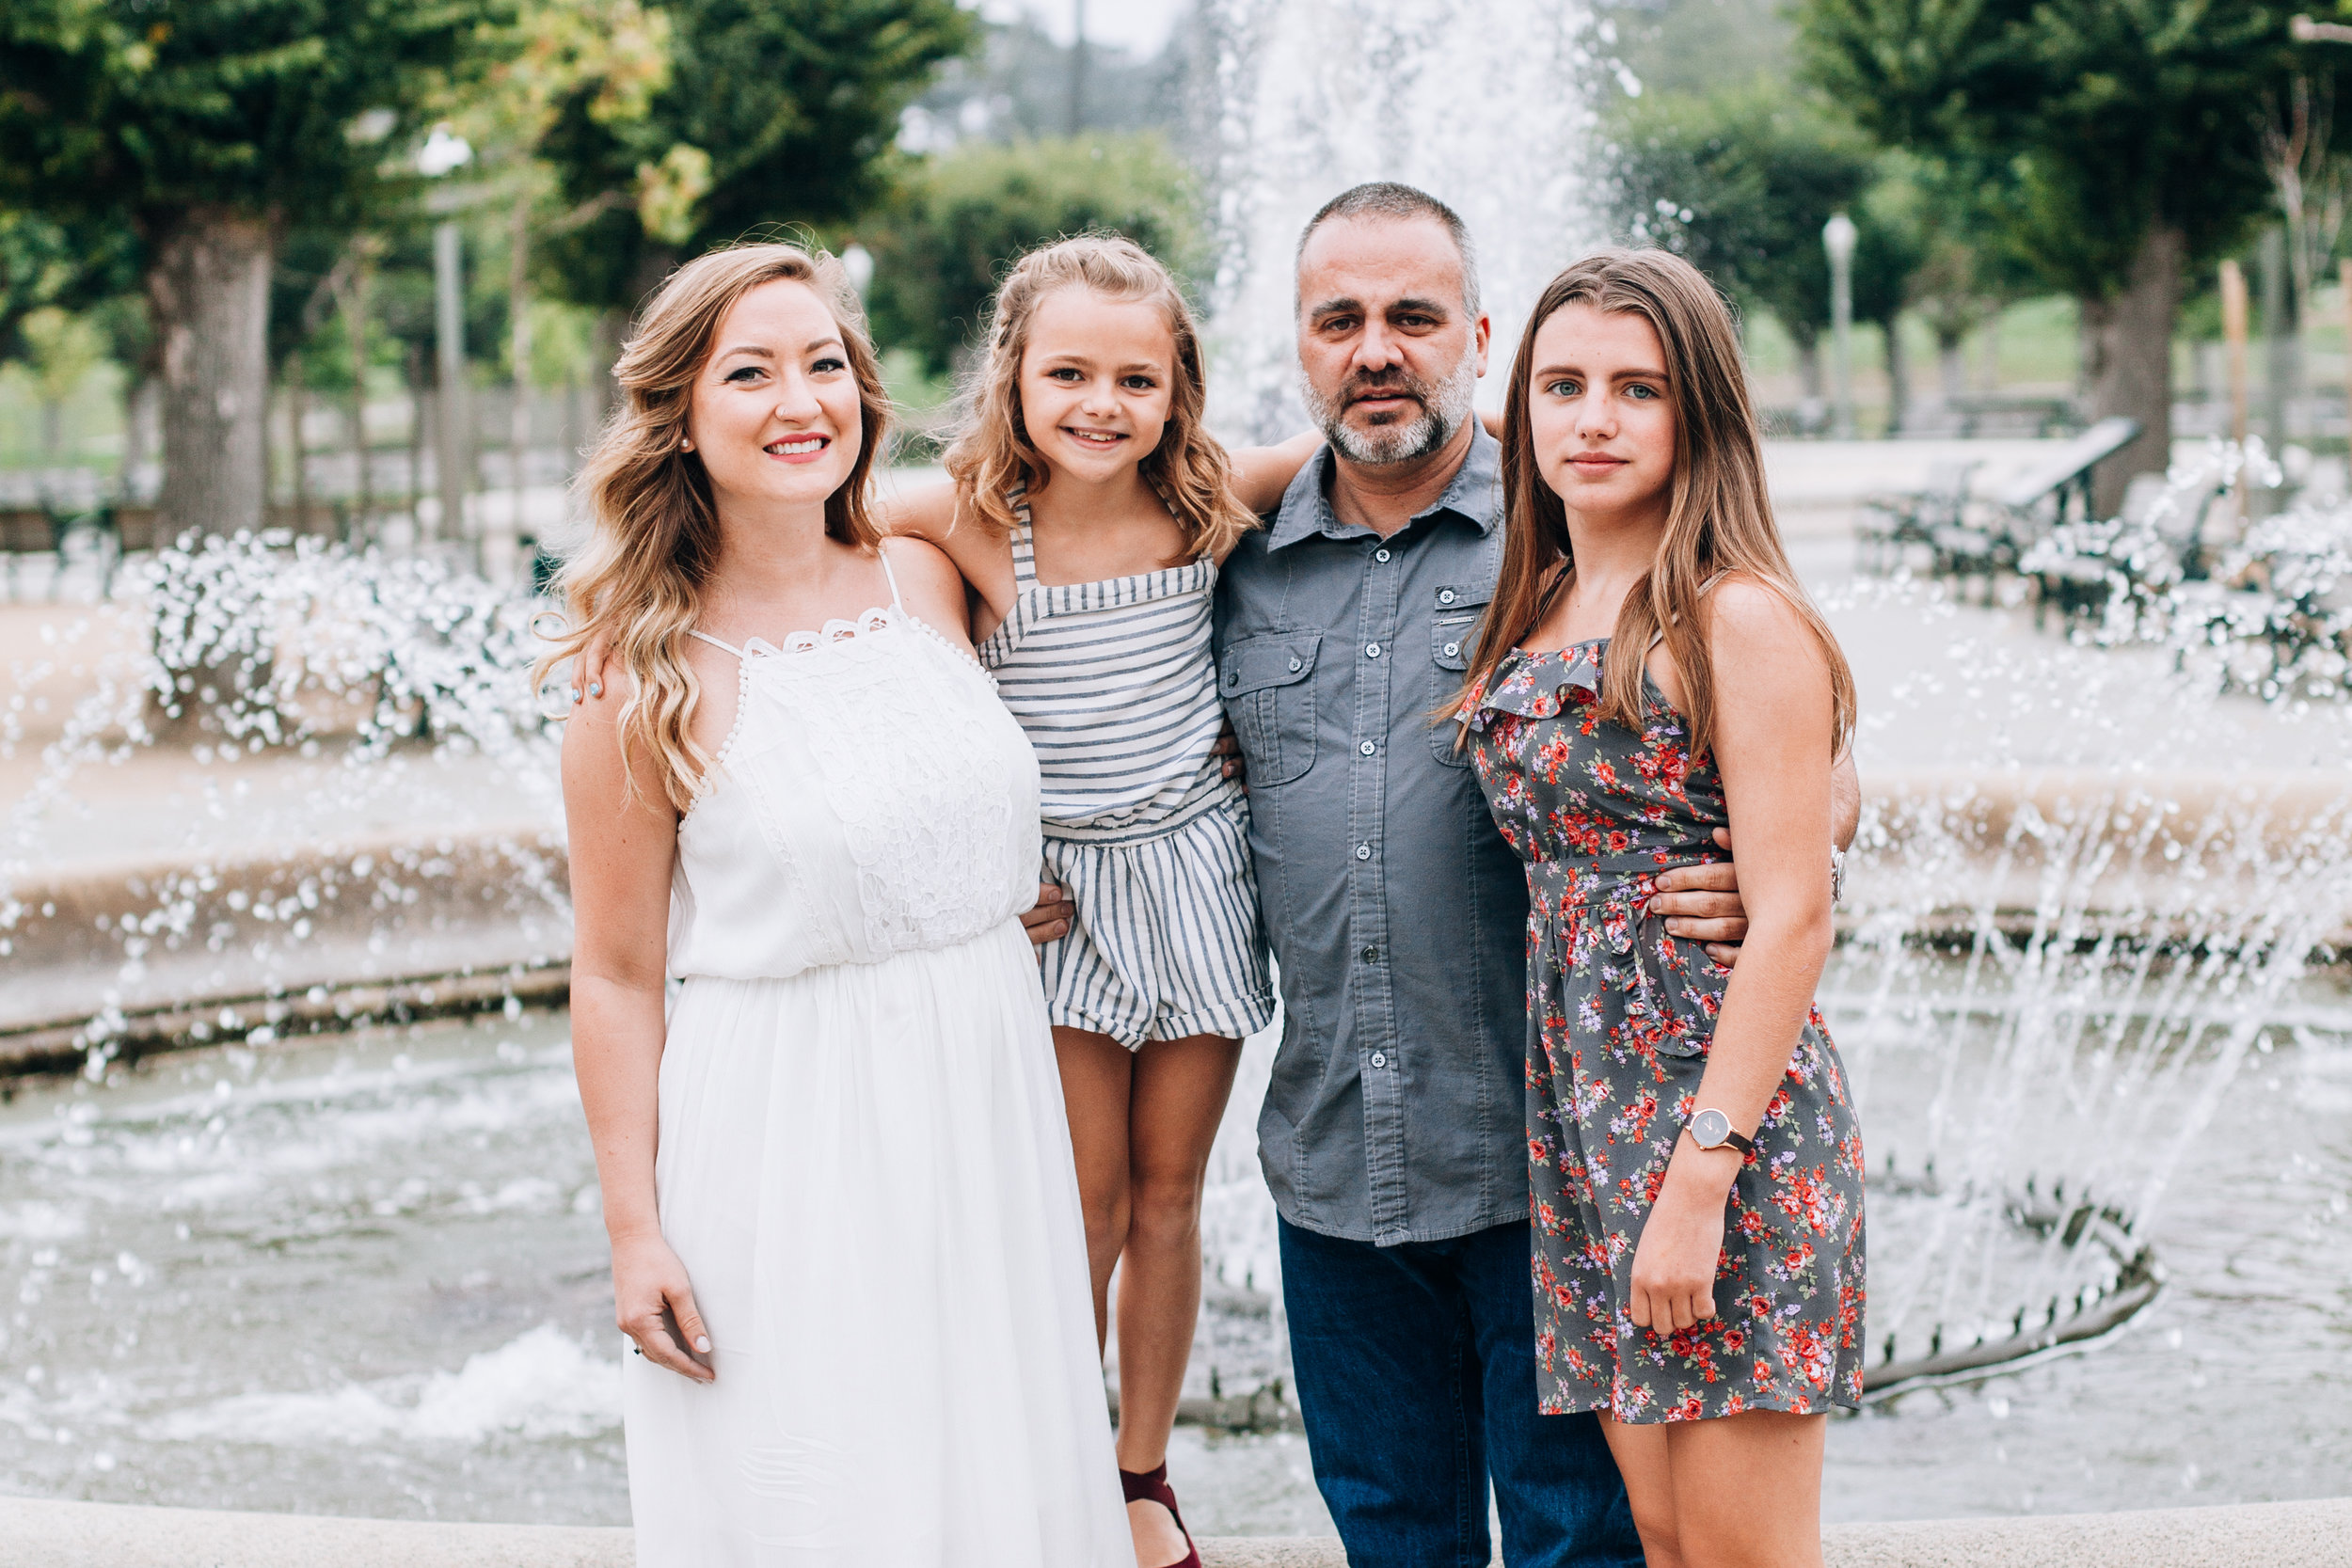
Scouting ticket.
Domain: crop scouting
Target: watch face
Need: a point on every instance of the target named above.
(1711, 1128)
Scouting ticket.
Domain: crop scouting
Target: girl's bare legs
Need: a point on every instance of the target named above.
(1142, 1124)
(1097, 1083)
(1738, 1492)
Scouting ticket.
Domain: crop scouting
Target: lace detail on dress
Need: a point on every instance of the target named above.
(924, 778)
(879, 618)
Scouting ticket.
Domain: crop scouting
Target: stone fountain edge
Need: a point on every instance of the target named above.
(44, 1534)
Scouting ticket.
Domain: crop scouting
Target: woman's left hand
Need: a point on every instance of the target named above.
(1682, 1241)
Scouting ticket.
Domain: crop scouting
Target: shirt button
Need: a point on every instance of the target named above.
(1379, 1058)
(1372, 650)
(1233, 679)
(1363, 851)
(1379, 555)
(1453, 648)
(1367, 747)
(1445, 595)
(1370, 955)
(1294, 664)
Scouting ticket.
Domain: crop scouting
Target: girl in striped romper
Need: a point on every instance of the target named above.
(1089, 511)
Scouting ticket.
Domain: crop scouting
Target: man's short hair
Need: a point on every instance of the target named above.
(1387, 198)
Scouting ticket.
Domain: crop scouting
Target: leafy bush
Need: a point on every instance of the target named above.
(942, 243)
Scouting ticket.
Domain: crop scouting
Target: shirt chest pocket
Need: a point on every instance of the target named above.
(1267, 683)
(1453, 640)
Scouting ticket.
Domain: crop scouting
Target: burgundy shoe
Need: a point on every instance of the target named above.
(1150, 1486)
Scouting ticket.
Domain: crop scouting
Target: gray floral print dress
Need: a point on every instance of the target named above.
(1619, 1019)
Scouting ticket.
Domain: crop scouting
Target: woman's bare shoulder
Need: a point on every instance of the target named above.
(1745, 607)
(929, 585)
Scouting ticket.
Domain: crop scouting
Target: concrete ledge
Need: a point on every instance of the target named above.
(36, 1533)
(40, 1534)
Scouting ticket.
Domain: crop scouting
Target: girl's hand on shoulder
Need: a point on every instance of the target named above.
(653, 1302)
(932, 589)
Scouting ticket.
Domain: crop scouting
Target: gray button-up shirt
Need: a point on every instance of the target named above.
(1396, 913)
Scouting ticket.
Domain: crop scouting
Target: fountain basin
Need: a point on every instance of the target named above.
(189, 948)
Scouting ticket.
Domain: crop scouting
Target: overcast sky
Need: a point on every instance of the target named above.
(1137, 25)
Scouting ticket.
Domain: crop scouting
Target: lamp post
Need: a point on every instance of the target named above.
(857, 266)
(1837, 238)
(440, 155)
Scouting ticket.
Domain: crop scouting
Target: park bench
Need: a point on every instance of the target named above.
(1992, 539)
(1973, 415)
(1894, 521)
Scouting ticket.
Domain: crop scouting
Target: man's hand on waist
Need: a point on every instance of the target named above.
(1052, 916)
(1701, 904)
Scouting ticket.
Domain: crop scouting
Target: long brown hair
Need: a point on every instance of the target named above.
(1719, 517)
(635, 589)
(993, 455)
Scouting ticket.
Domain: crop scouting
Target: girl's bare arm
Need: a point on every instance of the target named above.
(621, 853)
(1771, 744)
(981, 555)
(1261, 474)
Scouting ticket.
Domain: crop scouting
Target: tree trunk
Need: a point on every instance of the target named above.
(604, 349)
(1951, 365)
(136, 387)
(1897, 378)
(2128, 338)
(355, 313)
(518, 350)
(208, 289)
(1808, 345)
(298, 407)
(420, 416)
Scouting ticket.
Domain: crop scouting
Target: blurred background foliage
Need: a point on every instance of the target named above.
(585, 147)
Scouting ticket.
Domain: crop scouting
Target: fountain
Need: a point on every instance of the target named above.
(1318, 95)
(343, 1254)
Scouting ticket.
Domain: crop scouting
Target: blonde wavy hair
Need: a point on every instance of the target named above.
(993, 456)
(635, 589)
(1719, 515)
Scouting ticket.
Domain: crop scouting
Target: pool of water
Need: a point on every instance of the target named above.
(366, 1275)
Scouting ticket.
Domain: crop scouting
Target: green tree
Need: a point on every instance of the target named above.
(2126, 131)
(204, 127)
(773, 111)
(959, 220)
(1740, 181)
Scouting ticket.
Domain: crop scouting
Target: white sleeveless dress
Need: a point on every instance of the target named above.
(864, 1161)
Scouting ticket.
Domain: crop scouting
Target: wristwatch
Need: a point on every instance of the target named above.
(1711, 1128)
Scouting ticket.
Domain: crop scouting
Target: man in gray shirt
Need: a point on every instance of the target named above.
(1393, 1134)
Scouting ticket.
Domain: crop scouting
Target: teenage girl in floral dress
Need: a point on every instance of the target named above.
(1088, 513)
(1651, 672)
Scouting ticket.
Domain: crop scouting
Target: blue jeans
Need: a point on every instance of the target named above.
(1416, 1367)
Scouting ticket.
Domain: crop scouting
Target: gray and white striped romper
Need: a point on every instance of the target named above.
(1114, 683)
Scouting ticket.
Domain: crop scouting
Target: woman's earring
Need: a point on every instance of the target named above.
(595, 689)
(685, 443)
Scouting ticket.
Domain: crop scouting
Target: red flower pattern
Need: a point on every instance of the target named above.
(1620, 1018)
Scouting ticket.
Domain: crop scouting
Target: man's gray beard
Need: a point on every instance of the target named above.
(1440, 420)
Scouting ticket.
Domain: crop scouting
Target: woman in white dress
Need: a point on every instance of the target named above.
(846, 1239)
